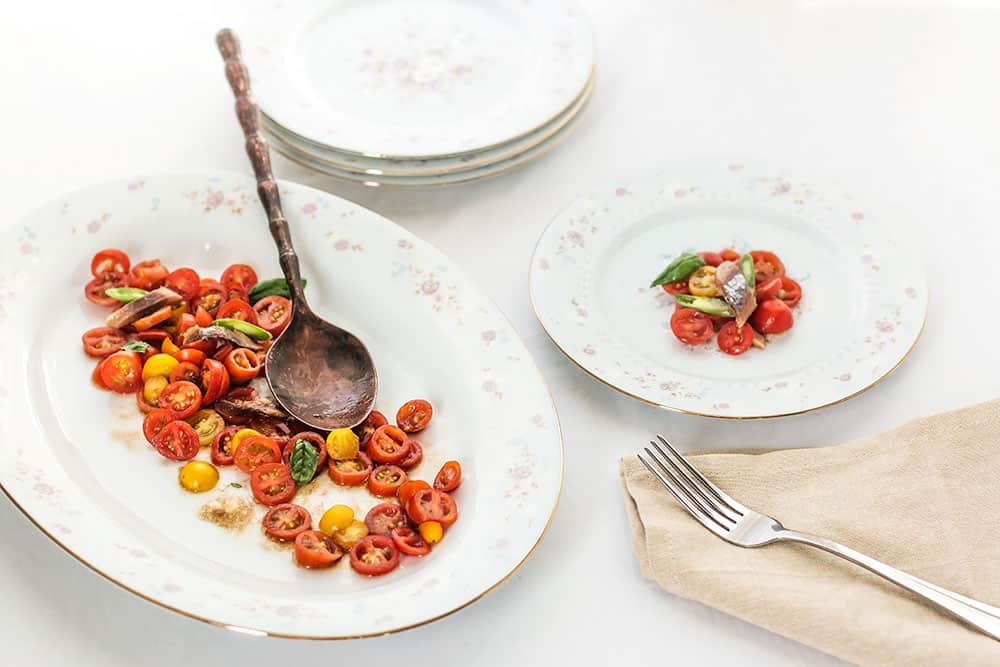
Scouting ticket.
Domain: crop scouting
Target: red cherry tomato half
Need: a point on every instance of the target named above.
(156, 336)
(211, 294)
(432, 505)
(239, 276)
(95, 377)
(766, 266)
(185, 282)
(769, 289)
(273, 314)
(414, 416)
(690, 326)
(177, 441)
(256, 451)
(415, 456)
(790, 292)
(730, 255)
(772, 317)
(385, 480)
(214, 381)
(317, 441)
(148, 275)
(409, 541)
(145, 406)
(409, 489)
(313, 549)
(155, 421)
(679, 287)
(222, 446)
(284, 522)
(202, 317)
(271, 483)
(388, 444)
(367, 428)
(182, 397)
(95, 289)
(109, 260)
(122, 372)
(352, 472)
(237, 309)
(449, 477)
(383, 518)
(243, 365)
(374, 555)
(711, 258)
(149, 321)
(735, 340)
(102, 341)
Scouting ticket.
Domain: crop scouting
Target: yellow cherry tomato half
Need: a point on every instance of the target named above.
(168, 347)
(431, 531)
(349, 536)
(702, 282)
(198, 476)
(158, 365)
(342, 444)
(239, 437)
(153, 387)
(338, 517)
(207, 424)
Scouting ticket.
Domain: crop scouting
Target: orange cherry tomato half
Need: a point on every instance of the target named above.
(182, 397)
(177, 441)
(730, 255)
(352, 472)
(284, 522)
(374, 555)
(109, 260)
(388, 444)
(243, 365)
(690, 326)
(122, 372)
(256, 451)
(772, 317)
(408, 489)
(313, 549)
(449, 477)
(271, 483)
(385, 480)
(237, 309)
(414, 416)
(239, 276)
(191, 355)
(409, 541)
(273, 314)
(103, 341)
(735, 340)
(210, 296)
(202, 317)
(148, 275)
(94, 290)
(432, 505)
(185, 282)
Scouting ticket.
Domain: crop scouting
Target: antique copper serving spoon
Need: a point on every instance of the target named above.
(321, 374)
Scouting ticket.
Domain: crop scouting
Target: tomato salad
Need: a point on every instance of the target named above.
(189, 349)
(746, 300)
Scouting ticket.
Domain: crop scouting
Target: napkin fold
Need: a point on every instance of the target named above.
(924, 498)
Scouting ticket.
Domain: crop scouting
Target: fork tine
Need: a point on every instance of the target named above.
(696, 507)
(691, 482)
(684, 502)
(722, 496)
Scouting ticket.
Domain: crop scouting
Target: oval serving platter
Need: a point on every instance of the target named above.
(863, 307)
(75, 462)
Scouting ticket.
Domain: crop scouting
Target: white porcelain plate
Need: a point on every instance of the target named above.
(863, 306)
(74, 460)
(404, 79)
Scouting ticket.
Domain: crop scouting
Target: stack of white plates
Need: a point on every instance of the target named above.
(419, 92)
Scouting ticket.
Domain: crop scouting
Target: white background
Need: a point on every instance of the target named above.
(895, 100)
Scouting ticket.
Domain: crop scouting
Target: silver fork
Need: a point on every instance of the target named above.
(737, 524)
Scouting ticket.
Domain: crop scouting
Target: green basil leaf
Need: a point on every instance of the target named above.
(746, 268)
(251, 330)
(679, 269)
(136, 346)
(125, 294)
(303, 461)
(271, 287)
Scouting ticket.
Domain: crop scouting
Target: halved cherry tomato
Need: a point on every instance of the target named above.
(735, 340)
(109, 260)
(243, 365)
(702, 282)
(185, 282)
(730, 255)
(186, 371)
(382, 518)
(368, 427)
(177, 441)
(415, 456)
(237, 309)
(284, 522)
(222, 452)
(271, 483)
(191, 355)
(152, 387)
(257, 451)
(449, 477)
(315, 439)
(772, 317)
(95, 377)
(202, 317)
(122, 372)
(711, 258)
(182, 397)
(207, 424)
(214, 381)
(211, 294)
(385, 480)
(313, 549)
(409, 541)
(273, 313)
(149, 321)
(156, 421)
(790, 292)
(239, 276)
(102, 341)
(352, 472)
(408, 489)
(374, 555)
(690, 326)
(185, 322)
(144, 405)
(388, 444)
(148, 275)
(766, 265)
(237, 293)
(94, 290)
(769, 289)
(223, 352)
(679, 287)
(432, 505)
(414, 416)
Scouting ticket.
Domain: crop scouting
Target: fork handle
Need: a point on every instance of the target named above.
(984, 617)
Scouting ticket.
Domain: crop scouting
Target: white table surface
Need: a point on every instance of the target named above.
(892, 99)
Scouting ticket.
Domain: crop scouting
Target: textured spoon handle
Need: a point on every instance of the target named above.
(260, 159)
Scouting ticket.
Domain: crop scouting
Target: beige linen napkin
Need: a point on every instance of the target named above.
(924, 498)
